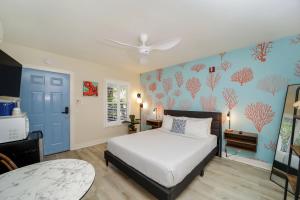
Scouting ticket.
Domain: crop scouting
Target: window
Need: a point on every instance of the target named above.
(117, 104)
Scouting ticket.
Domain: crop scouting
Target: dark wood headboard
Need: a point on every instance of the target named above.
(216, 124)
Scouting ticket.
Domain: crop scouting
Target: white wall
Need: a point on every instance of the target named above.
(87, 118)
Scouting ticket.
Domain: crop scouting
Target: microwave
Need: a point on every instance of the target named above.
(13, 128)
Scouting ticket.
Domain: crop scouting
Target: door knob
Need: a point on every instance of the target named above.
(66, 111)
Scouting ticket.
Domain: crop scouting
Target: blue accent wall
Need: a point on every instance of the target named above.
(256, 81)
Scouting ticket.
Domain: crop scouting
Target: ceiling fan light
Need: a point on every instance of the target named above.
(144, 50)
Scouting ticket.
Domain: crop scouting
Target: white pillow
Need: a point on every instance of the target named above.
(167, 122)
(198, 127)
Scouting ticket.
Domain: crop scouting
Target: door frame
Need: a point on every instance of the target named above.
(72, 95)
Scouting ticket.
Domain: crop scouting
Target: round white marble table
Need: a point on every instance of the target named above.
(63, 179)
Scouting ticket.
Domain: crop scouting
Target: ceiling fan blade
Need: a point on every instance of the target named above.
(122, 43)
(166, 45)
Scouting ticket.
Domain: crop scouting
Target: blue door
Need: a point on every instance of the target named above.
(45, 97)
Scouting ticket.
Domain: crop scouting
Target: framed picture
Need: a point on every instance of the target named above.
(90, 88)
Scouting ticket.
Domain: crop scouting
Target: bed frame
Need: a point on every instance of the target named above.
(171, 193)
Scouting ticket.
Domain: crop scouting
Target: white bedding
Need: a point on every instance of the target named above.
(164, 157)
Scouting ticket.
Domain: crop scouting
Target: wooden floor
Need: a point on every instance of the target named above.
(223, 179)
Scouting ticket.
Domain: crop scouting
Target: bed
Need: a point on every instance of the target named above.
(166, 170)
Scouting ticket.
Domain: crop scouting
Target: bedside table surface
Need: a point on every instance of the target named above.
(155, 123)
(243, 134)
(154, 120)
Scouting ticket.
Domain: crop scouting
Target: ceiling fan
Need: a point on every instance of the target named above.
(145, 49)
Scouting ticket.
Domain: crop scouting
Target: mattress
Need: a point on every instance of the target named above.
(160, 155)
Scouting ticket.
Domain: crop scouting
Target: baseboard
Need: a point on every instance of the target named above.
(248, 161)
(93, 142)
(88, 144)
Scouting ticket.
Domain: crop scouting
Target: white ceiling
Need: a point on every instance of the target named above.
(77, 28)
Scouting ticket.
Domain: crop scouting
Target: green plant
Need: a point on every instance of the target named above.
(132, 123)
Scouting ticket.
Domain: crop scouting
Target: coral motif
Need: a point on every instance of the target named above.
(198, 67)
(170, 103)
(179, 79)
(260, 114)
(261, 51)
(193, 86)
(159, 104)
(208, 103)
(230, 97)
(177, 93)
(160, 95)
(160, 108)
(296, 40)
(167, 84)
(212, 80)
(159, 74)
(271, 146)
(225, 65)
(152, 87)
(243, 76)
(185, 104)
(272, 84)
(148, 78)
(297, 69)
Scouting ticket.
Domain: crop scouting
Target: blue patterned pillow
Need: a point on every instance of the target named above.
(178, 126)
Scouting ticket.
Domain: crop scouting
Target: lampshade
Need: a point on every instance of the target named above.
(297, 104)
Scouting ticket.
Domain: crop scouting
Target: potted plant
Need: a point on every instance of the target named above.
(132, 123)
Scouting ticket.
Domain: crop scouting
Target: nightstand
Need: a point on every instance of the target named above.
(240, 139)
(154, 123)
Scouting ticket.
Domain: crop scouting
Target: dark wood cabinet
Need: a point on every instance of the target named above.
(154, 123)
(23, 152)
(240, 139)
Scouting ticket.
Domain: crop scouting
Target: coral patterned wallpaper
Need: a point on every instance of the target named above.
(250, 82)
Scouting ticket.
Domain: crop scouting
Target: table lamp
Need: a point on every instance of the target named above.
(139, 100)
(155, 112)
(229, 118)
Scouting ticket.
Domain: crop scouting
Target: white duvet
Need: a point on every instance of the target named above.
(160, 155)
